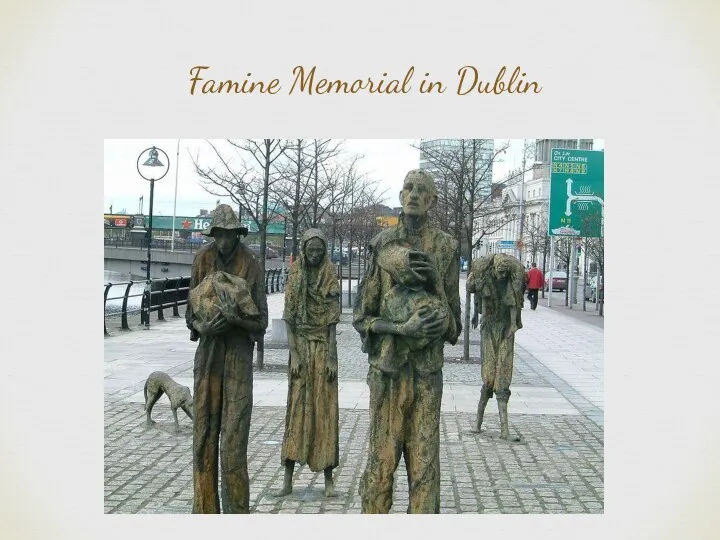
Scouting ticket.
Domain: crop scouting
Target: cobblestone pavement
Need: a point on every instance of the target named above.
(556, 406)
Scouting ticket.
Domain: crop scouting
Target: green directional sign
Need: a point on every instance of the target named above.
(577, 192)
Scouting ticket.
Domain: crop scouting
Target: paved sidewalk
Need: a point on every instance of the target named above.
(556, 405)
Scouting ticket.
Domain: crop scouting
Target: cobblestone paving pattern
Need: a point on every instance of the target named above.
(557, 469)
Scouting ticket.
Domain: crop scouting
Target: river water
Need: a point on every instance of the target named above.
(119, 290)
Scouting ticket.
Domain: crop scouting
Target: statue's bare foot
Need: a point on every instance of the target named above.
(329, 489)
(286, 490)
(510, 438)
(149, 422)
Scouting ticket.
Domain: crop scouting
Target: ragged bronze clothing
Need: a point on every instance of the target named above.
(386, 351)
(405, 384)
(404, 420)
(223, 389)
(312, 310)
(223, 407)
(312, 298)
(312, 416)
(500, 301)
(498, 351)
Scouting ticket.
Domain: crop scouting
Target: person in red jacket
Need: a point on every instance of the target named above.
(535, 282)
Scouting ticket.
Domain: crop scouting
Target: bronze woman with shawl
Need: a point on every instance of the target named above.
(312, 310)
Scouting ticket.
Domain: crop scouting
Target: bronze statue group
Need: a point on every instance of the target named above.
(407, 308)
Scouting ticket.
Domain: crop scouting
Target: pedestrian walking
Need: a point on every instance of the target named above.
(535, 282)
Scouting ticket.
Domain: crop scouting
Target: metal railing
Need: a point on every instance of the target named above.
(157, 245)
(160, 297)
(157, 297)
(275, 280)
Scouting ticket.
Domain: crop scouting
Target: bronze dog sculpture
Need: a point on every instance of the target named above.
(159, 383)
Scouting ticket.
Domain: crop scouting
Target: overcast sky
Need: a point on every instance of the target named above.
(386, 160)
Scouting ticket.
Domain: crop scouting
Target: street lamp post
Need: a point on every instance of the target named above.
(153, 175)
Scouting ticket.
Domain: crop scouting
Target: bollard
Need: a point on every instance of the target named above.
(161, 315)
(176, 312)
(125, 325)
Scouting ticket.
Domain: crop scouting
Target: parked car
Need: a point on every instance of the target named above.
(269, 252)
(559, 282)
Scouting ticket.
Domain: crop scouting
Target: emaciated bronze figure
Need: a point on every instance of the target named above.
(159, 383)
(223, 364)
(312, 310)
(408, 305)
(498, 284)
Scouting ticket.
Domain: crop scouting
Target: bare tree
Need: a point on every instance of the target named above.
(595, 250)
(350, 216)
(308, 185)
(245, 171)
(325, 174)
(463, 173)
(292, 187)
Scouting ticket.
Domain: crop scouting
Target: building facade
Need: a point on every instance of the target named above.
(522, 209)
(454, 147)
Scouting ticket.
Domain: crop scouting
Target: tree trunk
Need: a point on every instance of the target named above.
(349, 282)
(469, 235)
(466, 327)
(263, 239)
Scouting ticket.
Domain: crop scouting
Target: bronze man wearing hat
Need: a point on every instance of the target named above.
(223, 368)
(408, 306)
